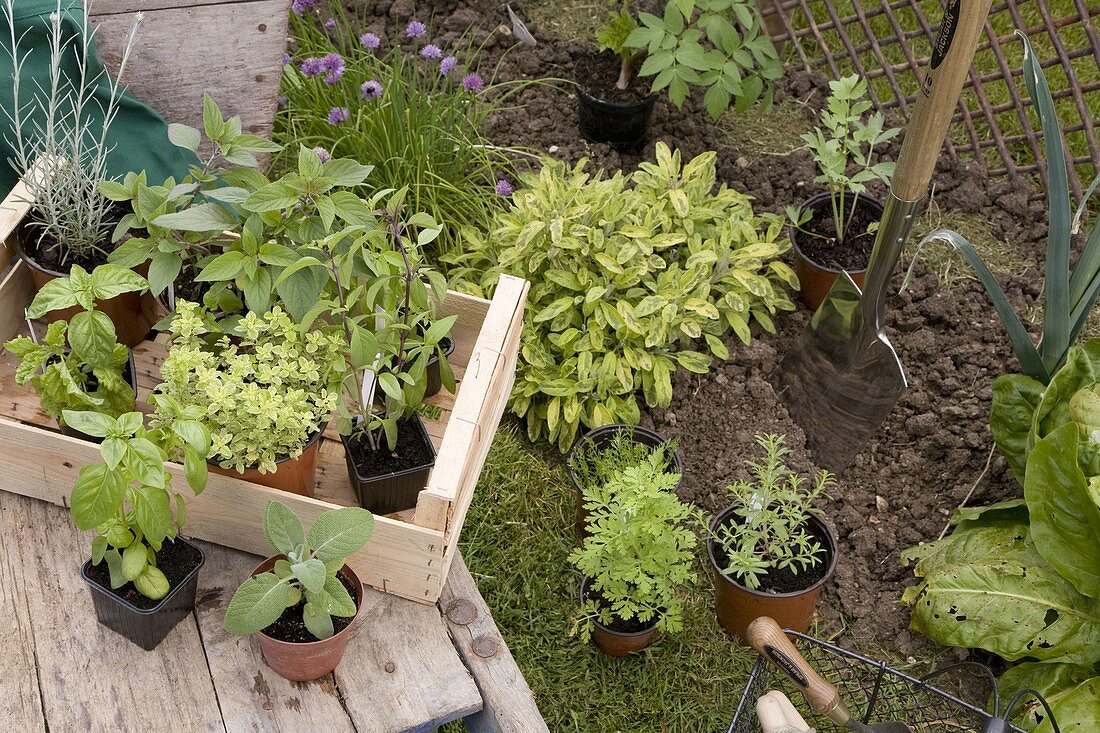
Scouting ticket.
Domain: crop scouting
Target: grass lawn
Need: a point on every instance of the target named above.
(516, 539)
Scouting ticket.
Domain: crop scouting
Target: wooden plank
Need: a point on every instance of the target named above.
(509, 704)
(20, 699)
(111, 7)
(239, 44)
(471, 312)
(91, 678)
(401, 673)
(252, 696)
(16, 291)
(14, 207)
(401, 558)
(485, 377)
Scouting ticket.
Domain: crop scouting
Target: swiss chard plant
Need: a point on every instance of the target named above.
(381, 297)
(640, 548)
(1068, 292)
(263, 395)
(842, 147)
(1022, 578)
(627, 275)
(128, 498)
(78, 365)
(768, 531)
(716, 45)
(306, 575)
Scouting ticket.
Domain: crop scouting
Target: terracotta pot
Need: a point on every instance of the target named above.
(295, 475)
(306, 661)
(134, 314)
(737, 605)
(617, 643)
(816, 279)
(601, 437)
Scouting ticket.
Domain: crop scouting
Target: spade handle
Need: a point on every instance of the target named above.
(766, 637)
(963, 21)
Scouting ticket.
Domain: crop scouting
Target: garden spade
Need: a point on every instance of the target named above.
(766, 637)
(845, 377)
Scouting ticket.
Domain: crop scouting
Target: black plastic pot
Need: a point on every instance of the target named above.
(621, 125)
(435, 381)
(601, 438)
(146, 627)
(394, 491)
(130, 377)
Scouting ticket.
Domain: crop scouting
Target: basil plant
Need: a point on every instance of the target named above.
(632, 278)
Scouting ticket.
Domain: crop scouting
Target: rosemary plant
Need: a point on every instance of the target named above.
(60, 151)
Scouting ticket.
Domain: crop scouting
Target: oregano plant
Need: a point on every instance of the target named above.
(306, 575)
(768, 528)
(128, 498)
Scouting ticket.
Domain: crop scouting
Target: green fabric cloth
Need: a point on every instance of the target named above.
(138, 136)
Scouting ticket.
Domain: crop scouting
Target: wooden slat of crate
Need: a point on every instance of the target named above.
(238, 44)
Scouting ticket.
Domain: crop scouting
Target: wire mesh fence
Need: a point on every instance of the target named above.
(888, 42)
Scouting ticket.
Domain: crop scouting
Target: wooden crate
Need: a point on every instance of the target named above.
(410, 553)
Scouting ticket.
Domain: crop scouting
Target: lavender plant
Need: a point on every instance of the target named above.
(414, 107)
(768, 530)
(63, 157)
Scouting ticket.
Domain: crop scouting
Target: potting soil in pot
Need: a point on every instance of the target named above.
(290, 626)
(175, 560)
(409, 453)
(618, 625)
(597, 75)
(851, 254)
(783, 580)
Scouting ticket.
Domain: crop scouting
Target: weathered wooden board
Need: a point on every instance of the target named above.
(391, 685)
(509, 705)
(252, 696)
(20, 701)
(184, 48)
(92, 679)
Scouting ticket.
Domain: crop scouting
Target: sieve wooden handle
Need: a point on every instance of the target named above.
(766, 637)
(963, 21)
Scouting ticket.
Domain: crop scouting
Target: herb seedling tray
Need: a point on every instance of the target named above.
(410, 552)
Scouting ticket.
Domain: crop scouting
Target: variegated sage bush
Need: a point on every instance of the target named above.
(632, 277)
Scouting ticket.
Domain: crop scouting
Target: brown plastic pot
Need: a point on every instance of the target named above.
(816, 279)
(307, 661)
(737, 605)
(601, 437)
(134, 314)
(294, 475)
(617, 643)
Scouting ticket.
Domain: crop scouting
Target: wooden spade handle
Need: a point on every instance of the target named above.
(960, 30)
(766, 637)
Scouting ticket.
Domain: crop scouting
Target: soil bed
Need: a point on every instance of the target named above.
(932, 449)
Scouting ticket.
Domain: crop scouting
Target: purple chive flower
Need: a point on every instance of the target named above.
(333, 64)
(323, 154)
(473, 82)
(281, 101)
(330, 24)
(301, 6)
(504, 187)
(336, 115)
(447, 65)
(431, 51)
(312, 66)
(370, 41)
(371, 89)
(286, 58)
(416, 29)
